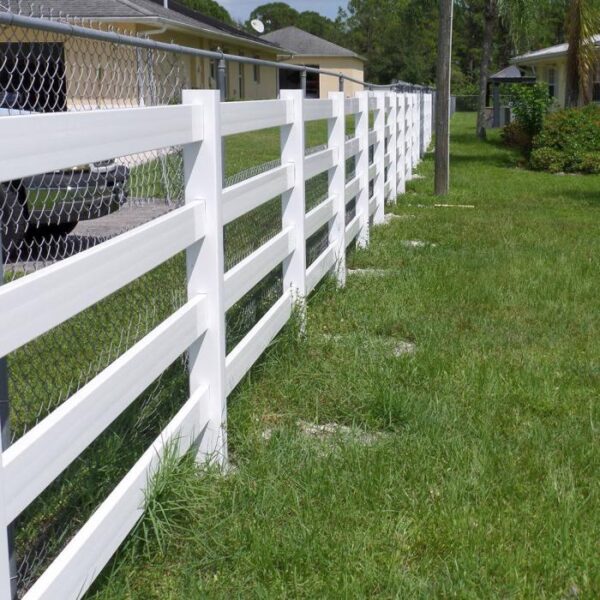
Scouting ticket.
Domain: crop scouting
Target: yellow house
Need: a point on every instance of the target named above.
(550, 67)
(310, 50)
(90, 74)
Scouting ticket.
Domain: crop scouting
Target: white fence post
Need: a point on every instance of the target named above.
(293, 201)
(401, 143)
(393, 147)
(379, 159)
(205, 272)
(429, 118)
(418, 131)
(336, 138)
(408, 136)
(362, 167)
(415, 131)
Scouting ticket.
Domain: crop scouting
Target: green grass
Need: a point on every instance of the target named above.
(484, 482)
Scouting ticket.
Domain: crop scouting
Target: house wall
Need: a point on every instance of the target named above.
(351, 67)
(541, 68)
(203, 75)
(103, 75)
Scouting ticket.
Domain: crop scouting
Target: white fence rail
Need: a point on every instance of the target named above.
(36, 303)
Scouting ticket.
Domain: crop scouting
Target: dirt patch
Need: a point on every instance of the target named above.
(329, 432)
(418, 244)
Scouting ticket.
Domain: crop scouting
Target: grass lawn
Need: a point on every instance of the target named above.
(479, 474)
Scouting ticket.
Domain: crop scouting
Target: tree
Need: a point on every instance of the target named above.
(275, 15)
(517, 15)
(317, 24)
(490, 16)
(210, 8)
(582, 23)
(442, 123)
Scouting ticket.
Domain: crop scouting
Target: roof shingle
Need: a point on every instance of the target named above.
(303, 43)
(134, 10)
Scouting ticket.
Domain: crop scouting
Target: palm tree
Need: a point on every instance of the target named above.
(582, 23)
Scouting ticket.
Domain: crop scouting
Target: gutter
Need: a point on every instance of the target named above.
(185, 28)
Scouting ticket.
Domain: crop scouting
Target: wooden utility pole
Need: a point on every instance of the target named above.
(442, 122)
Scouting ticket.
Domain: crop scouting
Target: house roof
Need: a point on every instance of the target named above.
(136, 11)
(546, 53)
(302, 43)
(511, 74)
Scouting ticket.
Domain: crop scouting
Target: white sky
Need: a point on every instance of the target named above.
(240, 9)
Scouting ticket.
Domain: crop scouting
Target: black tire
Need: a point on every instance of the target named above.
(54, 230)
(14, 216)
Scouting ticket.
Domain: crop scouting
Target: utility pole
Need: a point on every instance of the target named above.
(442, 123)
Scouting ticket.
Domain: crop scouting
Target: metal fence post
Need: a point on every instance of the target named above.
(379, 158)
(336, 140)
(8, 565)
(222, 87)
(393, 146)
(293, 201)
(303, 82)
(205, 273)
(362, 167)
(341, 83)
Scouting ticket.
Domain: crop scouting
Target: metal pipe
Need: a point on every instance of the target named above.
(222, 78)
(303, 82)
(222, 87)
(61, 28)
(341, 83)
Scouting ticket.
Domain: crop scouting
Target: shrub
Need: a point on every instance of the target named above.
(590, 163)
(514, 136)
(547, 159)
(530, 105)
(570, 138)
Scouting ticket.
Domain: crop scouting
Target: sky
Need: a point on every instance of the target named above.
(240, 9)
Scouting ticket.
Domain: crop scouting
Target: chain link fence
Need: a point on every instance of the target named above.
(51, 216)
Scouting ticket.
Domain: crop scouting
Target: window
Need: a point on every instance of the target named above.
(32, 76)
(552, 82)
(596, 85)
(256, 72)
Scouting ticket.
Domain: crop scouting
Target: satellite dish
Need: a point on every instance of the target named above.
(257, 25)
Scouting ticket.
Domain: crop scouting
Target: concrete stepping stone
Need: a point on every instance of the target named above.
(454, 205)
(368, 272)
(417, 244)
(404, 348)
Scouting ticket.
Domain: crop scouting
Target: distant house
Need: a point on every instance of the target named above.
(550, 67)
(311, 50)
(92, 74)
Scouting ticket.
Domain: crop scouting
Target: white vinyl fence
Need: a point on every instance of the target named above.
(36, 303)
